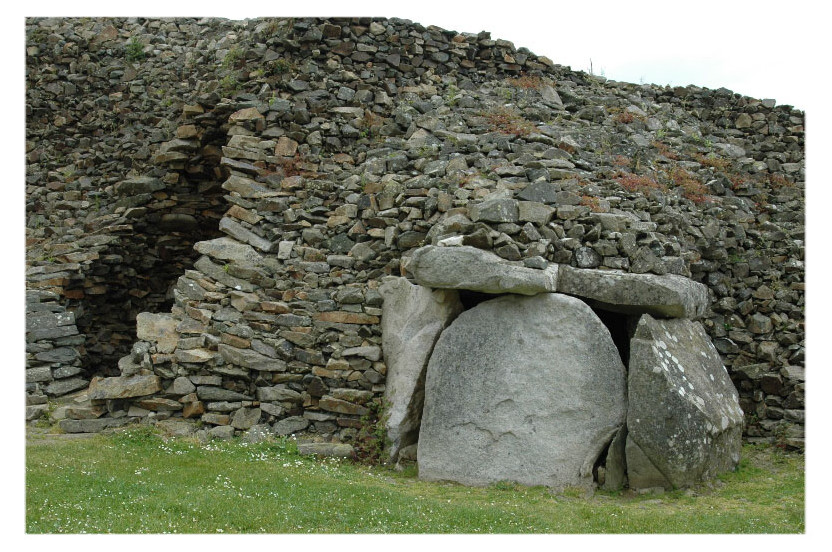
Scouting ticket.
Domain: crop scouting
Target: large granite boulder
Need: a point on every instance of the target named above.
(684, 421)
(666, 296)
(473, 269)
(412, 319)
(525, 389)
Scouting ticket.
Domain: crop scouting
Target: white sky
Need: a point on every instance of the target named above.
(762, 49)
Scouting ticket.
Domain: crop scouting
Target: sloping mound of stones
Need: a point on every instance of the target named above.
(529, 386)
(307, 159)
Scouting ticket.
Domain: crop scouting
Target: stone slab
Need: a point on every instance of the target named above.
(123, 387)
(684, 414)
(412, 319)
(666, 296)
(467, 267)
(159, 329)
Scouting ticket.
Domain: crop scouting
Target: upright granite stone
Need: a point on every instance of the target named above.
(666, 296)
(411, 321)
(684, 421)
(470, 268)
(525, 389)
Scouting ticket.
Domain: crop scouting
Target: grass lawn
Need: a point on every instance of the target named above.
(136, 482)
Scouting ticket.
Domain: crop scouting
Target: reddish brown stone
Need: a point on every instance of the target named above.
(343, 317)
(274, 307)
(235, 341)
(332, 404)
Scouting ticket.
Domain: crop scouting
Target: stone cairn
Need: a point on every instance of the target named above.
(269, 225)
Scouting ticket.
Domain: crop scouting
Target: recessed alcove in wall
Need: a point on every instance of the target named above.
(136, 273)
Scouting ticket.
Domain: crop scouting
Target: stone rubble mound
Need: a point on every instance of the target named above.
(217, 204)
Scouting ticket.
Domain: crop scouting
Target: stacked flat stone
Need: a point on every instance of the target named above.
(308, 159)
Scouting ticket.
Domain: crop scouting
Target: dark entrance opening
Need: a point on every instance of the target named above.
(621, 327)
(471, 299)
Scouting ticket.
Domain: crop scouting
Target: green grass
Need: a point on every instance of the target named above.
(135, 482)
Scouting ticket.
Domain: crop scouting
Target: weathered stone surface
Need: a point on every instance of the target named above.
(526, 389)
(412, 319)
(615, 465)
(290, 425)
(139, 185)
(157, 403)
(159, 329)
(540, 192)
(47, 320)
(197, 356)
(208, 393)
(42, 373)
(51, 332)
(221, 432)
(684, 416)
(182, 386)
(36, 411)
(331, 404)
(176, 428)
(63, 355)
(257, 433)
(536, 212)
(669, 295)
(245, 418)
(278, 394)
(326, 449)
(91, 426)
(470, 268)
(228, 249)
(123, 387)
(341, 317)
(370, 353)
(495, 210)
(251, 359)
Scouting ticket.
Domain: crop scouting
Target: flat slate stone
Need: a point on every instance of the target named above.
(64, 386)
(248, 358)
(326, 449)
(467, 267)
(495, 210)
(292, 424)
(159, 329)
(229, 249)
(666, 296)
(412, 319)
(123, 387)
(684, 420)
(139, 185)
(525, 389)
(91, 426)
(208, 393)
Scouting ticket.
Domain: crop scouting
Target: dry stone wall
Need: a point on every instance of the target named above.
(251, 183)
